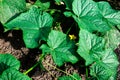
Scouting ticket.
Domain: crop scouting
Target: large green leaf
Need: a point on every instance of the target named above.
(35, 24)
(9, 8)
(60, 47)
(7, 61)
(106, 67)
(99, 72)
(73, 77)
(109, 58)
(90, 46)
(88, 16)
(111, 16)
(13, 74)
(112, 38)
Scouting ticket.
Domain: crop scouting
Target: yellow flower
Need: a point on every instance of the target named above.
(72, 37)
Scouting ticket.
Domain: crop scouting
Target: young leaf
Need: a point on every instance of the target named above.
(42, 5)
(58, 1)
(111, 16)
(68, 14)
(73, 77)
(8, 61)
(60, 47)
(112, 38)
(35, 24)
(9, 8)
(106, 67)
(89, 46)
(13, 74)
(68, 4)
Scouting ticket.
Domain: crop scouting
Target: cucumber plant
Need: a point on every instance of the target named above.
(99, 33)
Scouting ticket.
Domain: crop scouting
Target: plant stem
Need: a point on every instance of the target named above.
(30, 69)
(86, 73)
(49, 72)
(60, 70)
(69, 28)
(55, 10)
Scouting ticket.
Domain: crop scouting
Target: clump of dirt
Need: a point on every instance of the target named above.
(115, 4)
(11, 42)
(117, 51)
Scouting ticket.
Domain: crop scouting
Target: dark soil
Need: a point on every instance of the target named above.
(11, 42)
